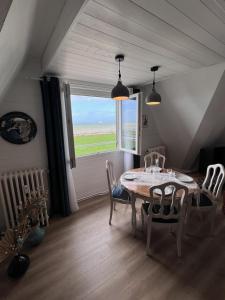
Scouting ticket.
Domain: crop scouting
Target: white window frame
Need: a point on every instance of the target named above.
(104, 91)
(138, 98)
(94, 90)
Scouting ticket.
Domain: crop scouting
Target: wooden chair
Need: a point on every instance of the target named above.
(112, 183)
(166, 206)
(211, 192)
(154, 158)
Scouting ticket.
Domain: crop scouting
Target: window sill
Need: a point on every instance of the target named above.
(97, 155)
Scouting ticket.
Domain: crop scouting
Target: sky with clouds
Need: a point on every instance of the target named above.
(94, 110)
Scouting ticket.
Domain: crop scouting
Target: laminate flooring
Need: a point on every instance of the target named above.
(82, 257)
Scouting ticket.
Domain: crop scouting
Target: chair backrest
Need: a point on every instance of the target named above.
(151, 159)
(168, 200)
(110, 176)
(213, 182)
(160, 149)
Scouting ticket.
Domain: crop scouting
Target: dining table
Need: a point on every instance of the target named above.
(138, 182)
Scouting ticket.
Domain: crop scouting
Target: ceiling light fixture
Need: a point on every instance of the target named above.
(120, 91)
(153, 98)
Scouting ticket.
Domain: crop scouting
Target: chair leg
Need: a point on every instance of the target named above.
(133, 214)
(142, 220)
(187, 211)
(149, 231)
(114, 206)
(111, 212)
(133, 218)
(179, 238)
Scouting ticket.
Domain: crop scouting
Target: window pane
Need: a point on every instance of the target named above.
(94, 124)
(128, 124)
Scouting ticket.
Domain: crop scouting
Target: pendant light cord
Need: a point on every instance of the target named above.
(153, 80)
(119, 70)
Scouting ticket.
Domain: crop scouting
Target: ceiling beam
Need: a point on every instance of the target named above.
(4, 8)
(68, 18)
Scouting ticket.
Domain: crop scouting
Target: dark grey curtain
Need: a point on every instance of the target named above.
(51, 97)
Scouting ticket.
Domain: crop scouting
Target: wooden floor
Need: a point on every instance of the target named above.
(82, 257)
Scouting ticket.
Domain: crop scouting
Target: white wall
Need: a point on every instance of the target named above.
(90, 173)
(185, 100)
(24, 95)
(150, 134)
(212, 123)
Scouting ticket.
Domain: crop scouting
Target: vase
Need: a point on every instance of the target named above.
(18, 266)
(35, 237)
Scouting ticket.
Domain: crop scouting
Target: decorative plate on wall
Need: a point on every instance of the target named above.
(17, 127)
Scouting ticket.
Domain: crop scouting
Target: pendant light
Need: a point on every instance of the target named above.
(154, 98)
(120, 91)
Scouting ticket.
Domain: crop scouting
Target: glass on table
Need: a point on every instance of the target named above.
(149, 169)
(171, 173)
(152, 169)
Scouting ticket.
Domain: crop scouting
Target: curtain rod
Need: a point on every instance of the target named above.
(74, 83)
(47, 77)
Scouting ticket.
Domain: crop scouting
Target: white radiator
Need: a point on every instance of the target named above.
(15, 188)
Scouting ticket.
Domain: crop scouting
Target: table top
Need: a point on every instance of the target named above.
(140, 186)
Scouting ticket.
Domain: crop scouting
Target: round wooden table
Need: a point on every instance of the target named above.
(139, 188)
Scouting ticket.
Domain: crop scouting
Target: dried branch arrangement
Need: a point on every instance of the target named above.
(12, 240)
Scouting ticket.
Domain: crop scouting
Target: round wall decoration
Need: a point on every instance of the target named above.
(17, 127)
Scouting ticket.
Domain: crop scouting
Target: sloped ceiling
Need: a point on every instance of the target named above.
(46, 17)
(182, 36)
(179, 35)
(4, 8)
(212, 124)
(26, 31)
(191, 114)
(14, 40)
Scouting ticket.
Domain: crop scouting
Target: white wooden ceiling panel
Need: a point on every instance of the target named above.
(129, 74)
(134, 71)
(101, 51)
(179, 35)
(217, 7)
(189, 32)
(119, 26)
(168, 32)
(105, 75)
(150, 50)
(103, 27)
(94, 56)
(198, 13)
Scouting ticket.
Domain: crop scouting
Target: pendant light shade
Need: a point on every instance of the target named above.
(120, 91)
(153, 98)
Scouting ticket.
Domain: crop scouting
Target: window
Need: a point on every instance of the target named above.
(100, 124)
(94, 124)
(130, 124)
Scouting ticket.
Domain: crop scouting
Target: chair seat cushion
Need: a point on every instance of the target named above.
(204, 201)
(166, 211)
(120, 193)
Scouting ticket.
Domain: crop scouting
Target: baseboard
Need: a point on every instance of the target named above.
(90, 201)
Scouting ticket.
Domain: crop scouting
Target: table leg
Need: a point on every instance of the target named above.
(133, 200)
